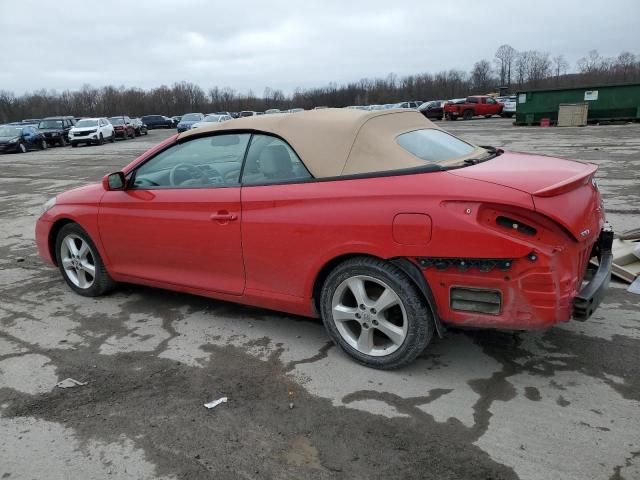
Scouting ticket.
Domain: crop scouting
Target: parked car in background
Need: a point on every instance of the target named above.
(56, 129)
(187, 120)
(382, 224)
(473, 106)
(139, 127)
(247, 113)
(157, 121)
(31, 121)
(176, 119)
(509, 107)
(20, 139)
(406, 105)
(433, 110)
(123, 127)
(376, 107)
(209, 119)
(91, 131)
(295, 110)
(272, 111)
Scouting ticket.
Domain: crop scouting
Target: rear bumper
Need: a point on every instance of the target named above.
(528, 293)
(593, 292)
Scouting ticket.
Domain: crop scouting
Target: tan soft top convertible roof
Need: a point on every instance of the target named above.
(334, 141)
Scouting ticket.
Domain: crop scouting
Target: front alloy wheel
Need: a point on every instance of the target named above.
(80, 262)
(375, 313)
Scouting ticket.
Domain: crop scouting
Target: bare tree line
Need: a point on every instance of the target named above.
(510, 68)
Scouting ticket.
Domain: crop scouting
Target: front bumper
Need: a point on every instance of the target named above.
(9, 147)
(590, 296)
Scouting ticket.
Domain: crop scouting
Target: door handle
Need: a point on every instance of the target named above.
(223, 216)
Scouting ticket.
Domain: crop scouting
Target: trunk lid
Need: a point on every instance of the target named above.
(561, 189)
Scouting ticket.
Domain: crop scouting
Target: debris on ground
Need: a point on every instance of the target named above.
(215, 403)
(70, 383)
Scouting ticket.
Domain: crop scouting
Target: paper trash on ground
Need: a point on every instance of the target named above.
(215, 403)
(70, 383)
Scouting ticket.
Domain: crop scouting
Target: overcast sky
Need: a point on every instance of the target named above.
(252, 44)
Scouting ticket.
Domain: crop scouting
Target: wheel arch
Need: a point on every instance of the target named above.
(53, 235)
(404, 264)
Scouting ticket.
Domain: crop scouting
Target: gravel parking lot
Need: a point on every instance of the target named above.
(562, 403)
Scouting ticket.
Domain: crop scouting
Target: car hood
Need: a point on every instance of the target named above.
(7, 139)
(561, 189)
(50, 130)
(86, 194)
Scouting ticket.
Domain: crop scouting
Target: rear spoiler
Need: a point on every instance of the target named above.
(569, 184)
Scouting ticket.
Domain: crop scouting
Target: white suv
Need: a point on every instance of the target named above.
(509, 109)
(91, 130)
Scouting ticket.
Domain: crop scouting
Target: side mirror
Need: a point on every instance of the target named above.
(114, 181)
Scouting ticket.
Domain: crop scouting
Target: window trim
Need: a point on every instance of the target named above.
(282, 182)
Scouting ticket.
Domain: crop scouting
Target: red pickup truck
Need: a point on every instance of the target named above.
(470, 107)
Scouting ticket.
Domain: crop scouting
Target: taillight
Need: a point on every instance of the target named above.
(516, 225)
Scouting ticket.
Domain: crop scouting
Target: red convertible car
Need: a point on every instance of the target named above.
(384, 225)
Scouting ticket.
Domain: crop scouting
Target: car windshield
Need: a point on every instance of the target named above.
(191, 117)
(9, 131)
(212, 118)
(434, 146)
(50, 124)
(87, 123)
(116, 121)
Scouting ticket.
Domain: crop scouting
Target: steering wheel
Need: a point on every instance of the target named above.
(185, 167)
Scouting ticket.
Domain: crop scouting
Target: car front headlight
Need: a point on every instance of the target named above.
(49, 204)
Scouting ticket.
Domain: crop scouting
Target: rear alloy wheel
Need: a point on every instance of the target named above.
(101, 140)
(375, 313)
(43, 144)
(80, 262)
(22, 148)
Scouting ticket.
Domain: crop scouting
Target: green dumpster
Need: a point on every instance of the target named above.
(606, 103)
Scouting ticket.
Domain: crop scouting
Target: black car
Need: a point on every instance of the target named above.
(56, 129)
(157, 121)
(139, 127)
(20, 139)
(433, 110)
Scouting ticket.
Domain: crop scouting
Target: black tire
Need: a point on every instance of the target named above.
(102, 282)
(62, 141)
(74, 144)
(467, 115)
(22, 148)
(101, 140)
(43, 144)
(488, 116)
(112, 138)
(451, 118)
(420, 324)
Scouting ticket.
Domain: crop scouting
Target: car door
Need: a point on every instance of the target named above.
(272, 226)
(178, 220)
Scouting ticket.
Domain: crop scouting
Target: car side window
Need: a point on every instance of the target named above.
(490, 101)
(213, 161)
(271, 160)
